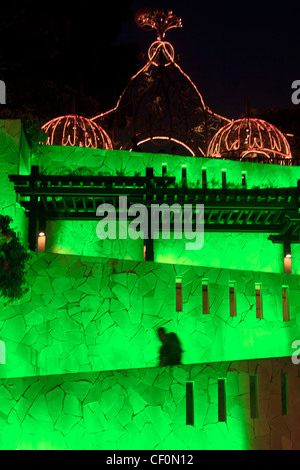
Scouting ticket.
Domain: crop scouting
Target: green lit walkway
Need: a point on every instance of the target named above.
(149, 408)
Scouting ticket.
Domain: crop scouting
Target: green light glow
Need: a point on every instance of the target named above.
(80, 238)
(86, 313)
(82, 348)
(14, 159)
(252, 252)
(136, 409)
(53, 160)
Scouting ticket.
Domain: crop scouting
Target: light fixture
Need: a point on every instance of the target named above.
(287, 250)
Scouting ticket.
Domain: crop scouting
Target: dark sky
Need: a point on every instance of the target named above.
(233, 50)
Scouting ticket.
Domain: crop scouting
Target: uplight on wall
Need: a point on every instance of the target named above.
(287, 250)
(287, 258)
(232, 298)
(183, 175)
(244, 179)
(259, 305)
(178, 294)
(205, 296)
(41, 241)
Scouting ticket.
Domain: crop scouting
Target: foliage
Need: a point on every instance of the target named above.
(80, 171)
(34, 134)
(31, 126)
(13, 259)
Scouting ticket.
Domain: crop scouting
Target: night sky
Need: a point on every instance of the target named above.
(233, 50)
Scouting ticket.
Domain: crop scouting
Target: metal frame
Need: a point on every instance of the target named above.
(51, 197)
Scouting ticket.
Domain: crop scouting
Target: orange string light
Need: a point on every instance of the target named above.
(77, 131)
(249, 135)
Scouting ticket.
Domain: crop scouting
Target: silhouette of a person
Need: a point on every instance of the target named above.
(170, 351)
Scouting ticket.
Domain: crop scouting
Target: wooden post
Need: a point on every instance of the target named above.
(32, 226)
(33, 214)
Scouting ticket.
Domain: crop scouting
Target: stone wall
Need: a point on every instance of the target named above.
(86, 314)
(144, 409)
(60, 160)
(14, 159)
(238, 250)
(80, 238)
(83, 314)
(63, 236)
(243, 251)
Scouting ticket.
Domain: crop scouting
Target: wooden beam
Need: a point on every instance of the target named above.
(32, 225)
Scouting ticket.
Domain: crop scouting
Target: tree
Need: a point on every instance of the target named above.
(13, 260)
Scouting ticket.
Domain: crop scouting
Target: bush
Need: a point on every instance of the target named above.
(13, 260)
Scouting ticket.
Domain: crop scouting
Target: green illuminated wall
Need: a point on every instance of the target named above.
(80, 238)
(231, 250)
(97, 313)
(252, 252)
(295, 252)
(60, 160)
(81, 345)
(86, 313)
(146, 409)
(236, 250)
(14, 159)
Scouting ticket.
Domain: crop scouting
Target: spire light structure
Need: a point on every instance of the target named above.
(161, 20)
(161, 108)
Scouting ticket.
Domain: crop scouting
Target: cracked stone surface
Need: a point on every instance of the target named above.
(14, 157)
(84, 314)
(80, 238)
(146, 409)
(95, 306)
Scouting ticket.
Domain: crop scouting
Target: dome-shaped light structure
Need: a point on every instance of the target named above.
(249, 138)
(76, 131)
(161, 109)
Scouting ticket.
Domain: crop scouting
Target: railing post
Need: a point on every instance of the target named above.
(33, 213)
